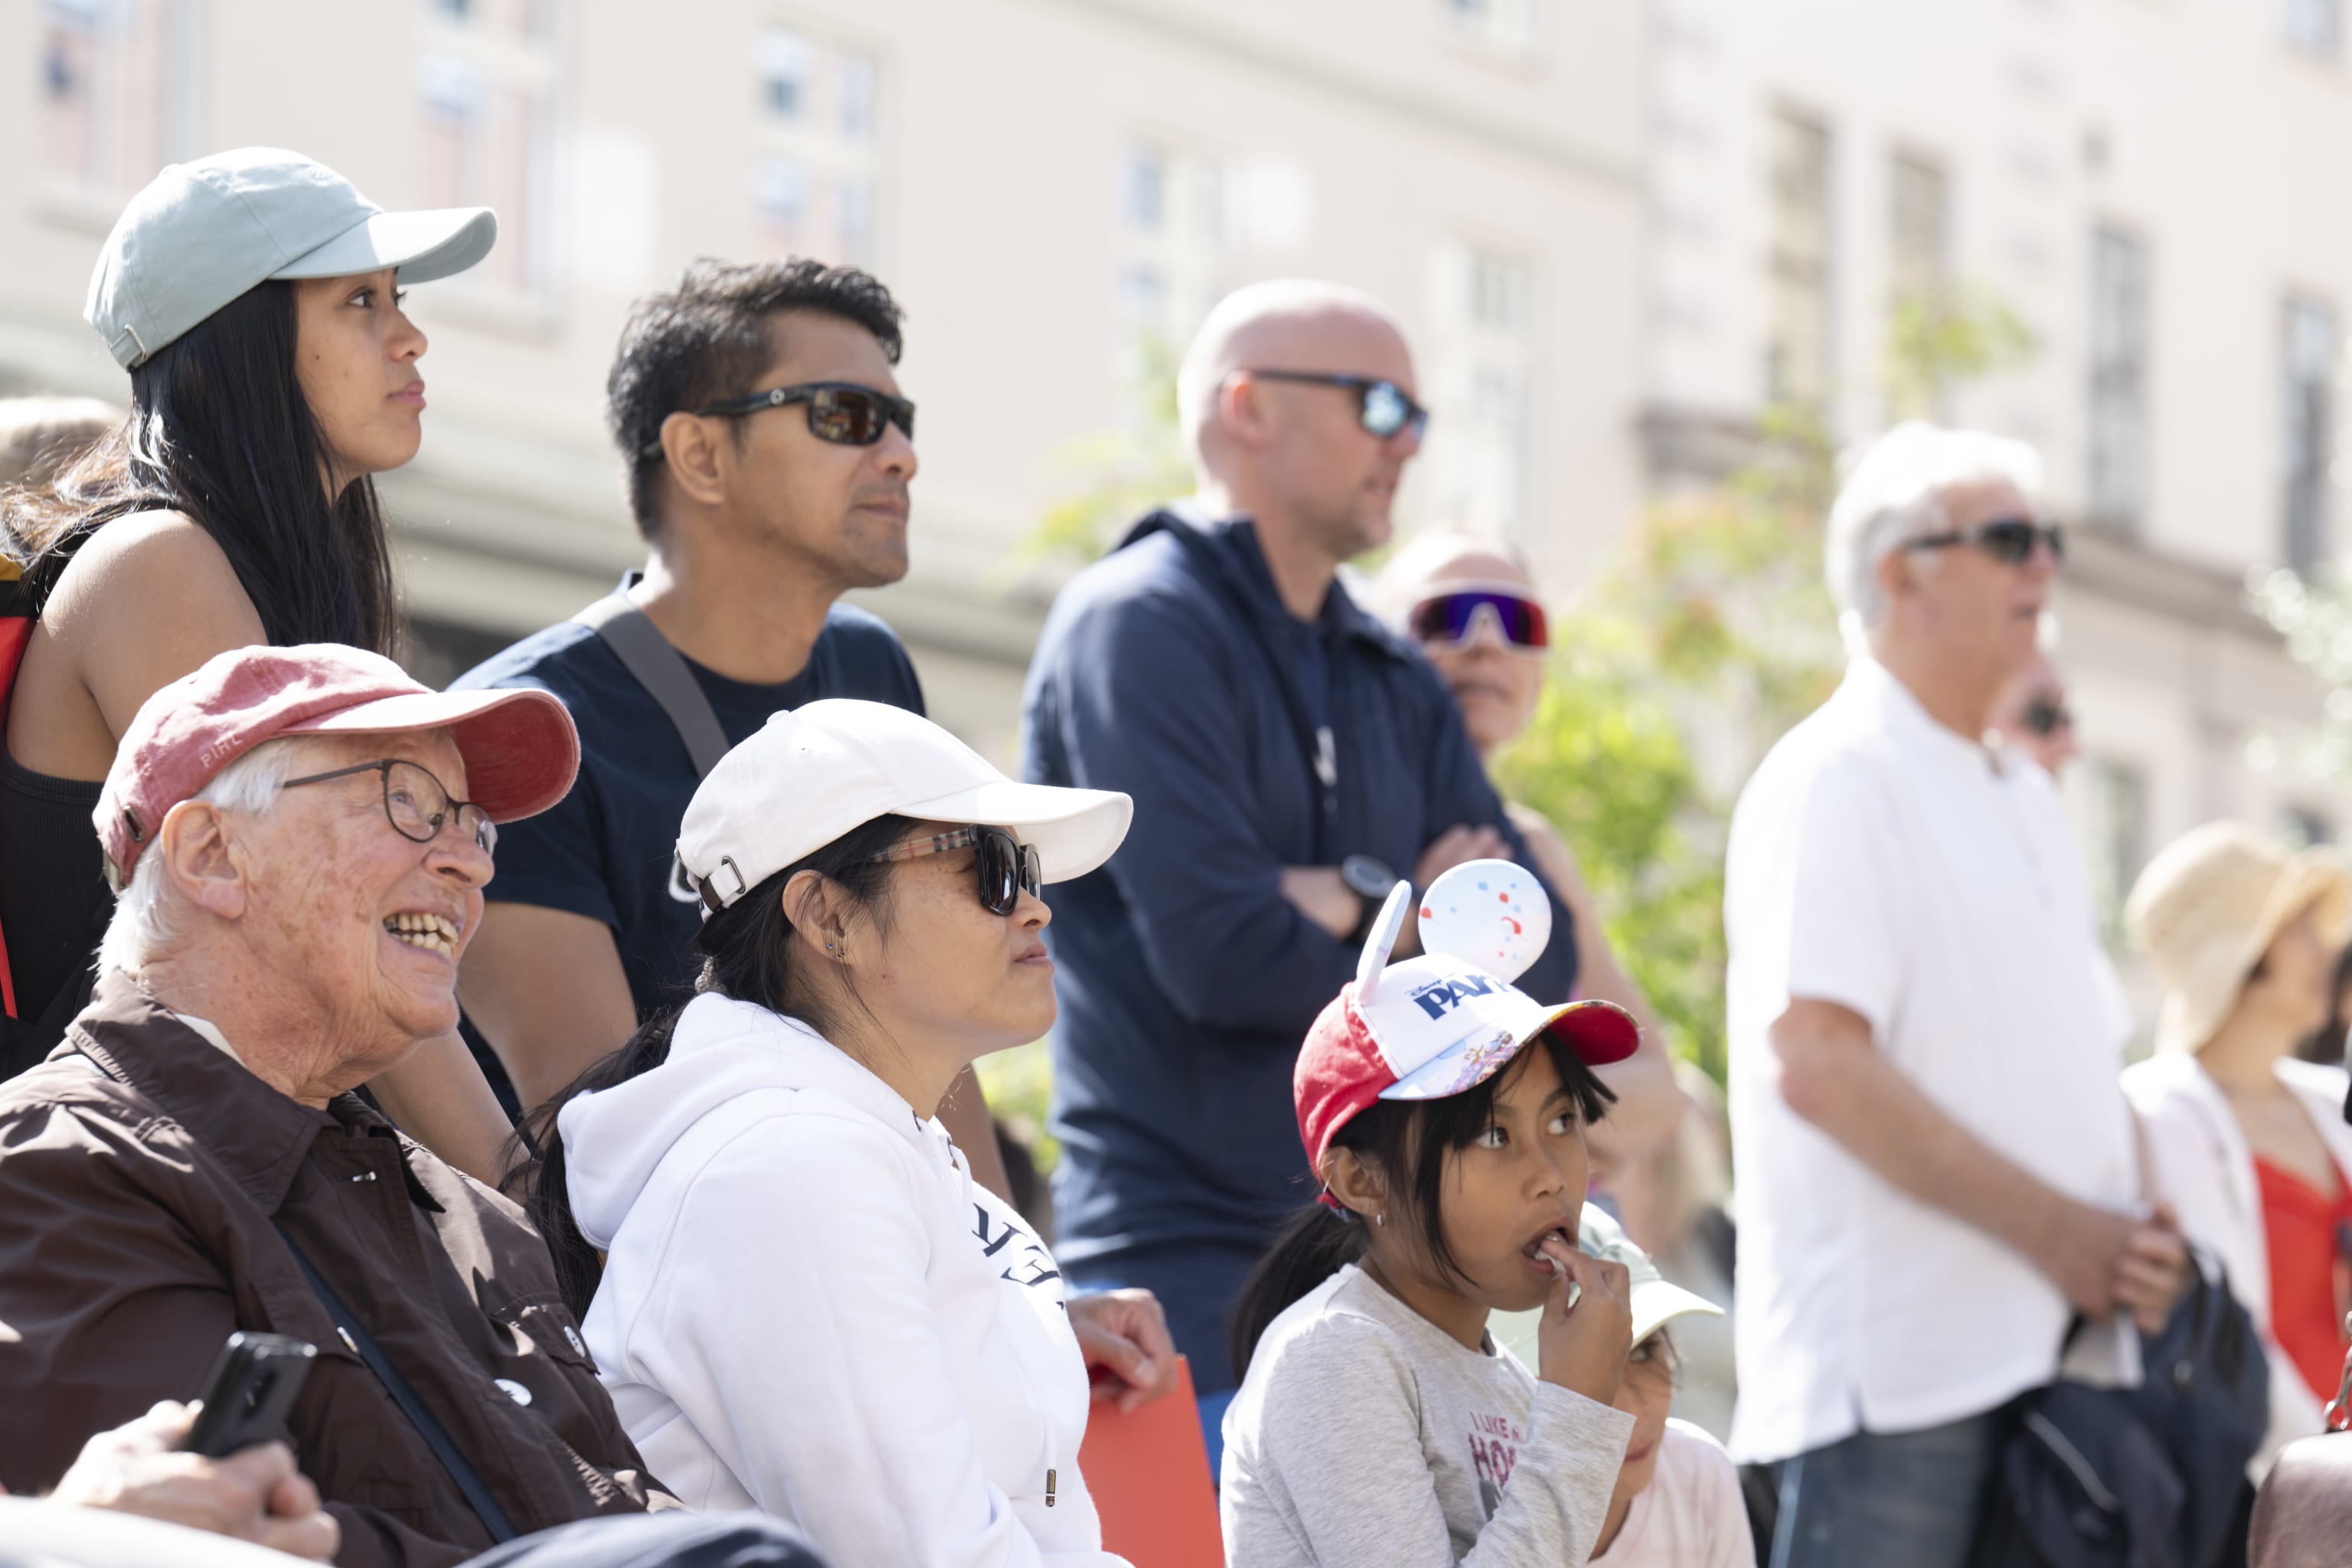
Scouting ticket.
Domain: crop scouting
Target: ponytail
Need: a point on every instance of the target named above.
(747, 954)
(1315, 1244)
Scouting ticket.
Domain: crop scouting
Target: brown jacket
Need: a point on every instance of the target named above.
(135, 1236)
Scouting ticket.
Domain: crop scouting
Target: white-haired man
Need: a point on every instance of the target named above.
(1934, 1165)
(301, 835)
(1292, 757)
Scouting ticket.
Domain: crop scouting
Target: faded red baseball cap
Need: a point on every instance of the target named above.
(520, 747)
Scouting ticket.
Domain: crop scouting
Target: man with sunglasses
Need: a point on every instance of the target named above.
(769, 451)
(1934, 1165)
(1291, 758)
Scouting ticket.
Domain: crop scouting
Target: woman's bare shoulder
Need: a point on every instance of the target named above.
(144, 567)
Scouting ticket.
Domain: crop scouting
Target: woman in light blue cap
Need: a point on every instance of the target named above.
(254, 297)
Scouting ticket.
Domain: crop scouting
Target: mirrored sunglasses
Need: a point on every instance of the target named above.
(1450, 619)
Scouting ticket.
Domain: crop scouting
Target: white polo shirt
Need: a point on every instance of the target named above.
(1882, 862)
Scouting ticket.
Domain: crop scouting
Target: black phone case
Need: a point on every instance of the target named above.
(252, 1386)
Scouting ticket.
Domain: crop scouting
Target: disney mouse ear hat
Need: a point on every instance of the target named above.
(1450, 1019)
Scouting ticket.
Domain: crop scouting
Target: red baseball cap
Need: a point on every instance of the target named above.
(1437, 1024)
(520, 747)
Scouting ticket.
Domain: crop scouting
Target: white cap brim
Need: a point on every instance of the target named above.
(1075, 830)
(422, 245)
(1657, 1302)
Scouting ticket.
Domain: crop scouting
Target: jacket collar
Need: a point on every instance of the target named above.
(1229, 546)
(259, 1135)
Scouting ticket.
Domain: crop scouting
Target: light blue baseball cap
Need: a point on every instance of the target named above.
(203, 233)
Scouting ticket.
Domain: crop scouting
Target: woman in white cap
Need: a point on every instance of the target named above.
(2249, 1143)
(1444, 1112)
(1677, 1502)
(254, 297)
(808, 1306)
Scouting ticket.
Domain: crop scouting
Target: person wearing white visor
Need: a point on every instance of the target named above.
(807, 1304)
(254, 297)
(1677, 1502)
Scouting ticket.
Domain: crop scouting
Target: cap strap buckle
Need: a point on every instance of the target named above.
(710, 894)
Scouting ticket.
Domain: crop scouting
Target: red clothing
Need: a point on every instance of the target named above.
(2309, 1230)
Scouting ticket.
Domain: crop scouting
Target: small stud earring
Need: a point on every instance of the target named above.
(1379, 1219)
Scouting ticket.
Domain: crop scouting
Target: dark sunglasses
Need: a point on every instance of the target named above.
(1382, 407)
(2010, 539)
(2045, 716)
(1449, 618)
(1006, 867)
(416, 804)
(841, 412)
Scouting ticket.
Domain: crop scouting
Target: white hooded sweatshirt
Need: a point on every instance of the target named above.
(809, 1307)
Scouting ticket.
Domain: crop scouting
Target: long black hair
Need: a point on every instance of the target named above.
(1409, 1141)
(219, 430)
(747, 954)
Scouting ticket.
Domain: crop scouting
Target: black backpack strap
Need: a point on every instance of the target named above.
(436, 1437)
(662, 671)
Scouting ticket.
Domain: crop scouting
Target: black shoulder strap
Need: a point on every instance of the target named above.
(662, 671)
(477, 1496)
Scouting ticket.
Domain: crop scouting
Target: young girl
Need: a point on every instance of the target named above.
(1677, 1502)
(254, 297)
(1376, 1421)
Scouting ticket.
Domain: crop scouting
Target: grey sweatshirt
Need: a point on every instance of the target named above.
(1366, 1434)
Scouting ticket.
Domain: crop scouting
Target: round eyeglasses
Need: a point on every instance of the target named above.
(416, 804)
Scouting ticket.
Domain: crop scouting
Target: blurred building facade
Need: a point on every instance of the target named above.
(1056, 189)
(2147, 185)
(1616, 230)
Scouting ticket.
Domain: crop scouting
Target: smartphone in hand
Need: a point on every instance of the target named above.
(252, 1386)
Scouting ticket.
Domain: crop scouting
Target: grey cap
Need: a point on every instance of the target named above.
(203, 233)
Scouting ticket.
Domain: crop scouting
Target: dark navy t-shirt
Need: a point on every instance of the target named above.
(608, 849)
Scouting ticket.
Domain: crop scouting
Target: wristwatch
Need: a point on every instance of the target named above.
(1371, 880)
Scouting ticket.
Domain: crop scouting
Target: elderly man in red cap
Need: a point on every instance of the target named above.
(299, 838)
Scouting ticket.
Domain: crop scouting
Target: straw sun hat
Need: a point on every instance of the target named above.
(2208, 908)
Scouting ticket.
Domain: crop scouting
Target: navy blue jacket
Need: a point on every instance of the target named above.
(1187, 981)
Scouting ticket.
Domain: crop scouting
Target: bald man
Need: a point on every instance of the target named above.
(1290, 758)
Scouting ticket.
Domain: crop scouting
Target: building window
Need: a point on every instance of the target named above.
(2307, 428)
(2118, 839)
(815, 178)
(1175, 257)
(486, 88)
(1508, 25)
(118, 81)
(1796, 346)
(2314, 28)
(1480, 401)
(1918, 250)
(2116, 447)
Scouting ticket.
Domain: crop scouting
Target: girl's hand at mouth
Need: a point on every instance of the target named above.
(1588, 1323)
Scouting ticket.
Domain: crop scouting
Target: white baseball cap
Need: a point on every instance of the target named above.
(815, 773)
(203, 233)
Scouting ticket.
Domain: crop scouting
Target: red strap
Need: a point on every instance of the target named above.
(14, 632)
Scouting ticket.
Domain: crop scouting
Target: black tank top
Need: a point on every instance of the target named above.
(53, 904)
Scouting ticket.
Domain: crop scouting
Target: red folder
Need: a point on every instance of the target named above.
(1149, 1473)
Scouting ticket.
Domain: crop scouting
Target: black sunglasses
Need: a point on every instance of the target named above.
(1383, 406)
(2045, 716)
(2010, 539)
(841, 412)
(416, 804)
(1006, 867)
